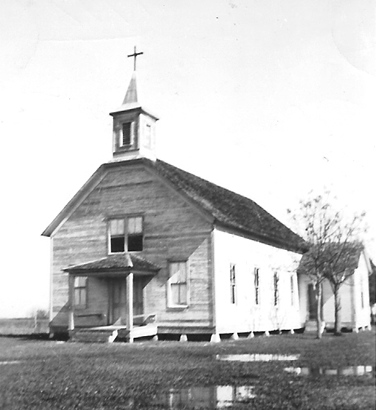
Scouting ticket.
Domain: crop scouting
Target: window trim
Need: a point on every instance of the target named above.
(126, 219)
(170, 305)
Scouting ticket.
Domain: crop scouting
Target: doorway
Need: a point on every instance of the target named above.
(118, 299)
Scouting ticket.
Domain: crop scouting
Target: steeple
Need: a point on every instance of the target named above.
(133, 125)
(131, 95)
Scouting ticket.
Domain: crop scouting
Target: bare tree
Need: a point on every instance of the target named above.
(341, 260)
(334, 245)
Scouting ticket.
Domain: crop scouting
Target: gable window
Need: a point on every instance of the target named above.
(276, 288)
(232, 284)
(117, 235)
(80, 291)
(126, 234)
(256, 280)
(135, 234)
(177, 291)
(127, 129)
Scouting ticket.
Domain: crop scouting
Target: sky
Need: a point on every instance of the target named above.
(270, 99)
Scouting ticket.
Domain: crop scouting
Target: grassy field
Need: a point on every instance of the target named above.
(23, 326)
(47, 374)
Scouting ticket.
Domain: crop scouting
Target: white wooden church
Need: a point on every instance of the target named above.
(147, 249)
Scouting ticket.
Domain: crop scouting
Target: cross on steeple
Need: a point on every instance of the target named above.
(134, 55)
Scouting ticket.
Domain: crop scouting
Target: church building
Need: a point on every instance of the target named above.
(145, 249)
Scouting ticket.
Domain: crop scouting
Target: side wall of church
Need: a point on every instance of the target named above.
(277, 307)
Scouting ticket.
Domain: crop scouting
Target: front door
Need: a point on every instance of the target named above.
(118, 299)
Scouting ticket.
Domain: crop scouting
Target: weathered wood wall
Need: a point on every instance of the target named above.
(173, 230)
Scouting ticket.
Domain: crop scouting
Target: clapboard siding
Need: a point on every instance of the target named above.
(245, 315)
(173, 230)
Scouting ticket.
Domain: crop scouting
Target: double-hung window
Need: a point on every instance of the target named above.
(276, 288)
(232, 284)
(256, 282)
(126, 234)
(80, 292)
(177, 291)
(135, 234)
(292, 290)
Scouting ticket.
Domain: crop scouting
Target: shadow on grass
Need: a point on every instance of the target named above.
(36, 336)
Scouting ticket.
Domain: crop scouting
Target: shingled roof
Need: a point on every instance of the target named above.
(113, 263)
(227, 209)
(230, 209)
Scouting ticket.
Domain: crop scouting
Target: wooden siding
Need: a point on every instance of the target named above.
(173, 230)
(245, 315)
(353, 315)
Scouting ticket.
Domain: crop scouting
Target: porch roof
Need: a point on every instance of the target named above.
(119, 263)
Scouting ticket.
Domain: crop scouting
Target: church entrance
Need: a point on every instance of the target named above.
(118, 299)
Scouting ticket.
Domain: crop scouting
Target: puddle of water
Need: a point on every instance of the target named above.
(340, 371)
(256, 357)
(212, 397)
(10, 362)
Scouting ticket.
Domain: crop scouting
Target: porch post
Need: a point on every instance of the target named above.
(71, 303)
(129, 317)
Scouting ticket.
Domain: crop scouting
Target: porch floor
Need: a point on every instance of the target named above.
(107, 334)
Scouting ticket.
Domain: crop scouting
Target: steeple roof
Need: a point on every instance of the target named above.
(130, 101)
(131, 95)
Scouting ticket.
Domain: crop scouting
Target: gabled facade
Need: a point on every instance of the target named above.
(145, 245)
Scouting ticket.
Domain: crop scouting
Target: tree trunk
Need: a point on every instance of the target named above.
(319, 313)
(337, 311)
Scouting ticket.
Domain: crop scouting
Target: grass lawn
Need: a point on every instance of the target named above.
(44, 374)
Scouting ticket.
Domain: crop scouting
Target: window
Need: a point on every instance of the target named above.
(276, 289)
(126, 234)
(80, 291)
(232, 284)
(127, 133)
(292, 290)
(177, 284)
(135, 234)
(117, 235)
(257, 285)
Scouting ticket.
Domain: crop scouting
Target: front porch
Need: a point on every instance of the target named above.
(119, 314)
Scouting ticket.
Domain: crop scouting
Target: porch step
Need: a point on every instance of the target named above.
(94, 335)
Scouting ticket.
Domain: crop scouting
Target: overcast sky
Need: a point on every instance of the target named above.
(268, 98)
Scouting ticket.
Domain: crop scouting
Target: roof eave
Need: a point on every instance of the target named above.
(119, 271)
(261, 238)
(71, 205)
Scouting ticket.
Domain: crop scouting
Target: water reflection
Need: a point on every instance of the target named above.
(212, 397)
(11, 362)
(256, 357)
(340, 371)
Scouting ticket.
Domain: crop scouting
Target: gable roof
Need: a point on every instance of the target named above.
(344, 256)
(230, 211)
(114, 263)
